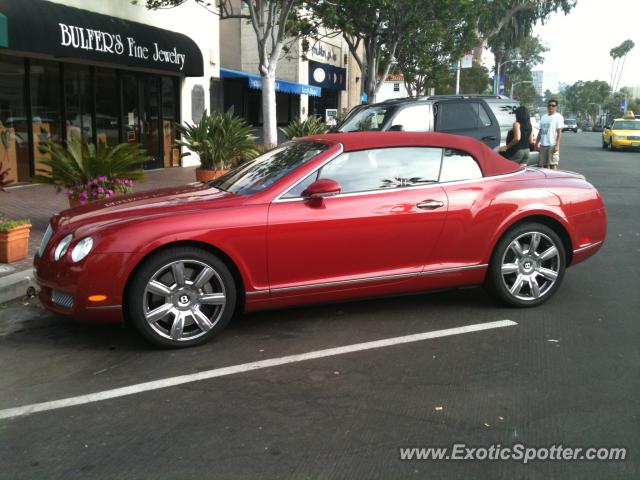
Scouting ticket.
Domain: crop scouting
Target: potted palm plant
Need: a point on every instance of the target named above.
(14, 234)
(221, 140)
(301, 128)
(86, 173)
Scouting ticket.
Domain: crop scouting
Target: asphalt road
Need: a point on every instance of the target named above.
(567, 373)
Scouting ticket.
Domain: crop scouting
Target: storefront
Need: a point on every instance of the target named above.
(68, 74)
(242, 91)
(326, 71)
(332, 80)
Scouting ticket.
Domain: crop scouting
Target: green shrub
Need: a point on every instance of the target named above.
(302, 128)
(7, 225)
(80, 164)
(221, 140)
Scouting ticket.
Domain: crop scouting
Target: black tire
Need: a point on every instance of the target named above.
(605, 145)
(533, 270)
(181, 297)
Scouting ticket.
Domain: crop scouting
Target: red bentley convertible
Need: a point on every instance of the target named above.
(322, 218)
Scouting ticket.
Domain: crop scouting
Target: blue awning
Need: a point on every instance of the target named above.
(255, 82)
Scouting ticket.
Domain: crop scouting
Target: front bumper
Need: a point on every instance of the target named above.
(65, 287)
(625, 143)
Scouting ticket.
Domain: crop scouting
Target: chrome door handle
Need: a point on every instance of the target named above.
(430, 204)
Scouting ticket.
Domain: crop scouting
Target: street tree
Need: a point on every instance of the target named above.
(275, 23)
(618, 56)
(372, 29)
(501, 23)
(472, 80)
(586, 98)
(615, 100)
(438, 41)
(529, 52)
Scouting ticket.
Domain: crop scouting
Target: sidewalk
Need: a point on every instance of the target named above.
(39, 202)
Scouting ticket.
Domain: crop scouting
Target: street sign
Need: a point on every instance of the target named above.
(623, 105)
(467, 60)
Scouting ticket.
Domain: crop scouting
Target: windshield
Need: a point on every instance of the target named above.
(626, 125)
(367, 119)
(570, 121)
(267, 169)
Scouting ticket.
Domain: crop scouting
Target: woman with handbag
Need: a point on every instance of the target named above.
(517, 147)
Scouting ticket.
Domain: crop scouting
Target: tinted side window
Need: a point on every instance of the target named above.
(483, 116)
(384, 168)
(457, 116)
(412, 119)
(504, 112)
(457, 165)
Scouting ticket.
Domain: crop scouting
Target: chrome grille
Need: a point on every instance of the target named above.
(62, 299)
(45, 240)
(634, 137)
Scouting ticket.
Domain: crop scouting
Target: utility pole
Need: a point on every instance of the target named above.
(496, 80)
(458, 77)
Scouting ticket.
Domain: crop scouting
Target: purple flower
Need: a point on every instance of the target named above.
(102, 178)
(100, 190)
(110, 192)
(83, 195)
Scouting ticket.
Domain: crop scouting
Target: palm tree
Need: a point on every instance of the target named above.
(617, 53)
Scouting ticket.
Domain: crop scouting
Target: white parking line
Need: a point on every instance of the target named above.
(245, 367)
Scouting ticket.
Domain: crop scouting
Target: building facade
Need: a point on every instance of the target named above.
(318, 82)
(392, 87)
(101, 72)
(538, 76)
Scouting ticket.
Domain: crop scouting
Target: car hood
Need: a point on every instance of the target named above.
(161, 202)
(632, 133)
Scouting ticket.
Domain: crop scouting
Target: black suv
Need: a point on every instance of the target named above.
(485, 117)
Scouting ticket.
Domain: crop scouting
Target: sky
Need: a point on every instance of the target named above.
(579, 42)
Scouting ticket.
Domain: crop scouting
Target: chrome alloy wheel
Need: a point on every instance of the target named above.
(530, 266)
(183, 300)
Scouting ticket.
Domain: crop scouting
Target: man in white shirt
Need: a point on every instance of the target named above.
(549, 137)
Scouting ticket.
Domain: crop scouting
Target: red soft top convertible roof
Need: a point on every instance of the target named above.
(491, 163)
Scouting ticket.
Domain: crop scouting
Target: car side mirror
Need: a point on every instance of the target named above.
(396, 128)
(325, 187)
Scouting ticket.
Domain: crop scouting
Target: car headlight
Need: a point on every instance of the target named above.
(62, 247)
(82, 249)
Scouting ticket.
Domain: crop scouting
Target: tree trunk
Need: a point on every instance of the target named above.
(269, 121)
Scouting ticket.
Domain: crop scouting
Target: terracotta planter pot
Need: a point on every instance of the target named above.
(14, 244)
(74, 202)
(205, 175)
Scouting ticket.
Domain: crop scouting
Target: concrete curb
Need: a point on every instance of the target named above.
(15, 285)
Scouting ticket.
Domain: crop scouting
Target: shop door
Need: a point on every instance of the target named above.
(141, 115)
(150, 120)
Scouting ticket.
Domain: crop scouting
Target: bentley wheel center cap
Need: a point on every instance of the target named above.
(528, 266)
(183, 300)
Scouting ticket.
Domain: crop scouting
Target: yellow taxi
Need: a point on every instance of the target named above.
(622, 133)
